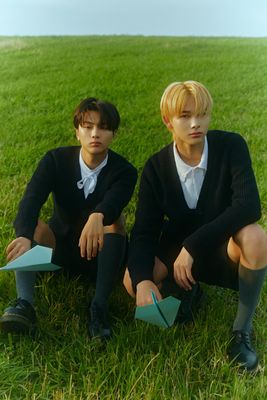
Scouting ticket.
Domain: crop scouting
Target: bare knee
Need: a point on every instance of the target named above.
(160, 272)
(117, 227)
(127, 282)
(44, 235)
(252, 242)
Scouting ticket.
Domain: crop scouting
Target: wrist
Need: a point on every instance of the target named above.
(97, 214)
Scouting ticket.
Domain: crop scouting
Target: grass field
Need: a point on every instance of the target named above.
(41, 82)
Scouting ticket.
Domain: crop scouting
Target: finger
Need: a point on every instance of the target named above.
(11, 246)
(89, 248)
(158, 294)
(184, 281)
(12, 256)
(190, 277)
(100, 242)
(176, 276)
(143, 302)
(180, 282)
(82, 245)
(186, 284)
(94, 247)
(147, 300)
(15, 253)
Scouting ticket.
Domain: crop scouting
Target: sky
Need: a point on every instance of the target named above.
(245, 18)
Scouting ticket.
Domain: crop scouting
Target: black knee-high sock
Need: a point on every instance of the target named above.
(109, 263)
(250, 284)
(25, 284)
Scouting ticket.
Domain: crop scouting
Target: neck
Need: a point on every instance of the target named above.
(93, 160)
(190, 154)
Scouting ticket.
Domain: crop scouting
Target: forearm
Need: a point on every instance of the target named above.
(141, 259)
(117, 196)
(35, 195)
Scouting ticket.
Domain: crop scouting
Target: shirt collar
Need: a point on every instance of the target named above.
(183, 168)
(86, 171)
(89, 176)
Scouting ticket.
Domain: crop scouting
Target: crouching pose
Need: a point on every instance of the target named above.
(91, 185)
(196, 216)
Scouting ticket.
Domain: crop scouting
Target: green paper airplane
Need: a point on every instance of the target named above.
(161, 313)
(36, 259)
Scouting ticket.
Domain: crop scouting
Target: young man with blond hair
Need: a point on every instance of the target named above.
(196, 216)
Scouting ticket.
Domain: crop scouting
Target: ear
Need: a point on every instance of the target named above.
(77, 134)
(167, 122)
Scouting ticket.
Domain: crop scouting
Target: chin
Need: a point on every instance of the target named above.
(98, 151)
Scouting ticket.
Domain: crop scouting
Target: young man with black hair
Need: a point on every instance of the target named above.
(90, 185)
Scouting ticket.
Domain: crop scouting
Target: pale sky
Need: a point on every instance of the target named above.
(134, 17)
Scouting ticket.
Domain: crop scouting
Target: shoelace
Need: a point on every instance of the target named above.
(243, 337)
(17, 302)
(98, 316)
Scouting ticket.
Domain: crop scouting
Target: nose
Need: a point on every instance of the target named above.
(95, 132)
(195, 122)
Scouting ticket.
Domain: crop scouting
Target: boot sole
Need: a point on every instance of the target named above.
(16, 324)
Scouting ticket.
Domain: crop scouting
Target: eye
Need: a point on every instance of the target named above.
(87, 126)
(203, 114)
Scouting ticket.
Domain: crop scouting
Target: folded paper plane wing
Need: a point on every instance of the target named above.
(150, 314)
(161, 313)
(36, 259)
(169, 308)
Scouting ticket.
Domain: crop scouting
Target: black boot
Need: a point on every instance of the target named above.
(241, 352)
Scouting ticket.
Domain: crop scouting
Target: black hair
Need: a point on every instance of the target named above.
(109, 115)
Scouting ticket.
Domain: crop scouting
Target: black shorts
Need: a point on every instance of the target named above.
(67, 255)
(215, 269)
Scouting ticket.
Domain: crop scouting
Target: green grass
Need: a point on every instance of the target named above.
(42, 80)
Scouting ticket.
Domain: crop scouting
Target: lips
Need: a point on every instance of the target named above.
(195, 134)
(95, 144)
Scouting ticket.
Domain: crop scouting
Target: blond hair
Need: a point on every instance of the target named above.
(176, 94)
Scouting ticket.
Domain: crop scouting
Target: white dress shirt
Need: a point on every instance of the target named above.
(89, 176)
(191, 177)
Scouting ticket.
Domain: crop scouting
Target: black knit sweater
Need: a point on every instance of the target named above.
(58, 173)
(228, 201)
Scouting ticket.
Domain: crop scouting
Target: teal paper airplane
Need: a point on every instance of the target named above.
(36, 259)
(161, 313)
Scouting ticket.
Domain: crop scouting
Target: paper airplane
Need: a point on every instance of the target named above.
(161, 313)
(36, 259)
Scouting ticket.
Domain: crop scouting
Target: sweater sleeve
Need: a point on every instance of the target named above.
(35, 195)
(118, 195)
(146, 231)
(243, 210)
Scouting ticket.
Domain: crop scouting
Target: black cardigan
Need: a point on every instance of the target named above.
(228, 201)
(58, 173)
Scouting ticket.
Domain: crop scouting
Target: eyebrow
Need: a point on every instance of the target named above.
(89, 122)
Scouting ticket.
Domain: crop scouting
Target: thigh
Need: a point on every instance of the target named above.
(216, 268)
(67, 255)
(167, 251)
